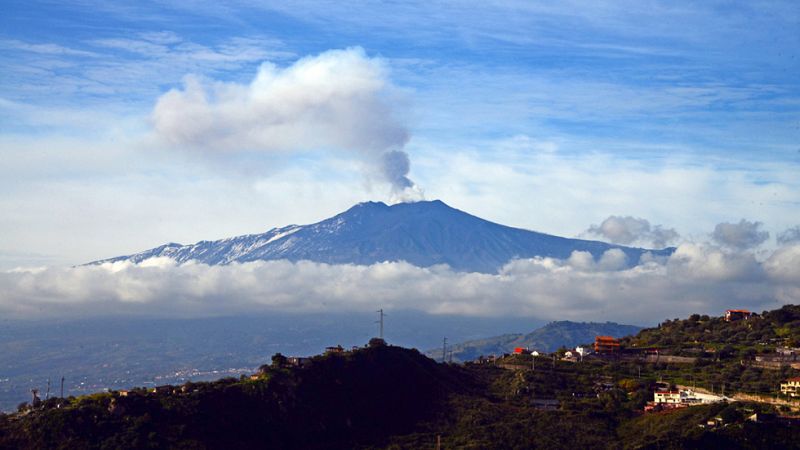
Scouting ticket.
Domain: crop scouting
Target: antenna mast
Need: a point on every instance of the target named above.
(380, 321)
(444, 350)
(62, 386)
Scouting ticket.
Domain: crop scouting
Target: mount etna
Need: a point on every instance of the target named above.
(424, 233)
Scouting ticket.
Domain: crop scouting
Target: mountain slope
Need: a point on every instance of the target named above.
(421, 233)
(547, 339)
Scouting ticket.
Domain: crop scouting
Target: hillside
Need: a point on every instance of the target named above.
(422, 233)
(770, 328)
(390, 397)
(359, 397)
(545, 339)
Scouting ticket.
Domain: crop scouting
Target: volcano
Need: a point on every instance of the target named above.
(424, 234)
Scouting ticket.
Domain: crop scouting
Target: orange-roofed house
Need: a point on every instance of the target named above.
(606, 344)
(520, 350)
(737, 314)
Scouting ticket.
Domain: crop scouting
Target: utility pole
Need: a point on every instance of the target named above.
(47, 393)
(554, 361)
(533, 361)
(444, 350)
(380, 321)
(62, 386)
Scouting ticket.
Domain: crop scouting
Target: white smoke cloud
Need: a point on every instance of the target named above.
(628, 230)
(697, 278)
(742, 235)
(337, 100)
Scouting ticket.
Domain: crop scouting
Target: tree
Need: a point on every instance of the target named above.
(730, 414)
(278, 360)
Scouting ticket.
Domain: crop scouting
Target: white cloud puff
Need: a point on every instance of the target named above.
(696, 278)
(789, 236)
(337, 98)
(742, 235)
(629, 230)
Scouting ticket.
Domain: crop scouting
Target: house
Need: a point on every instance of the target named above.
(520, 350)
(582, 351)
(166, 389)
(669, 397)
(733, 315)
(788, 352)
(535, 353)
(791, 387)
(122, 393)
(606, 344)
(334, 350)
(298, 361)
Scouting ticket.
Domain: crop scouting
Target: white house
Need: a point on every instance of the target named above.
(791, 387)
(670, 397)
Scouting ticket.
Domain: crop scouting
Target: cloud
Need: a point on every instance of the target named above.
(339, 99)
(627, 230)
(697, 278)
(742, 235)
(789, 236)
(46, 49)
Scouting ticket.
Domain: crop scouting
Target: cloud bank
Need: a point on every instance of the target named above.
(337, 100)
(697, 278)
(628, 230)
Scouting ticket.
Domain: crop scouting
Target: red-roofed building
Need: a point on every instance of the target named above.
(737, 314)
(606, 344)
(519, 350)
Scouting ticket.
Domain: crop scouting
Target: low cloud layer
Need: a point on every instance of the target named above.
(741, 236)
(337, 100)
(627, 230)
(697, 278)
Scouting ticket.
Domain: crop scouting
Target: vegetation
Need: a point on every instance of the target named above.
(389, 397)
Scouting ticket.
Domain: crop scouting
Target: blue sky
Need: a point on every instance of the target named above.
(544, 115)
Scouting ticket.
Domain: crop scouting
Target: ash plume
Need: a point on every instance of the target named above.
(339, 100)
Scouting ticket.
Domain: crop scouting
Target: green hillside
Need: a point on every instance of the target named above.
(391, 397)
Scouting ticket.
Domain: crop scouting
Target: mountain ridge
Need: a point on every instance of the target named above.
(562, 333)
(424, 234)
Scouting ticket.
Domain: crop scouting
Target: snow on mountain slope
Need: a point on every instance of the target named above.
(421, 233)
